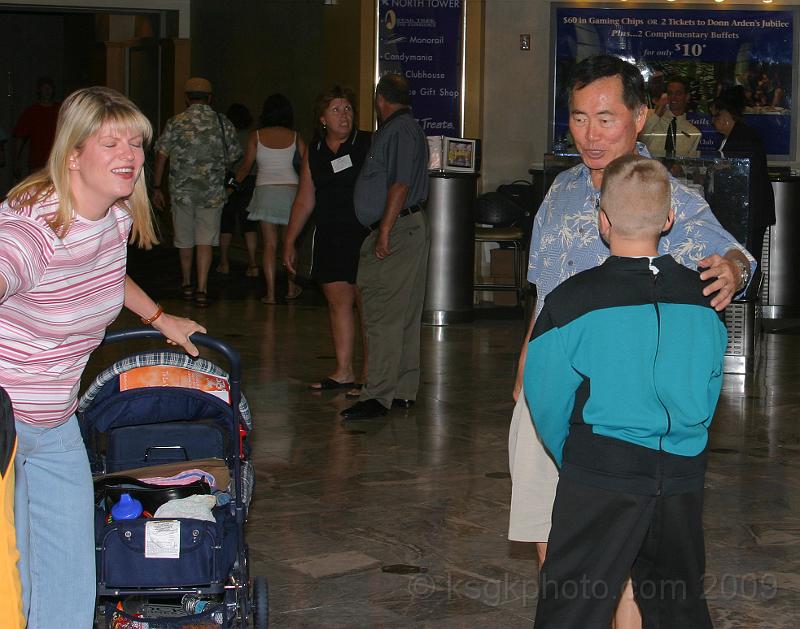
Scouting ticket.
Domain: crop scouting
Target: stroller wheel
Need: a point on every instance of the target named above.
(260, 603)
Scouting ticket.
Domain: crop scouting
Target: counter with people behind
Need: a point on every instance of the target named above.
(727, 184)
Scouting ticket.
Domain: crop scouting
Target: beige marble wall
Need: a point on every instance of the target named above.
(515, 90)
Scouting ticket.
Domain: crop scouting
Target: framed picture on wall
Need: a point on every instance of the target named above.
(710, 48)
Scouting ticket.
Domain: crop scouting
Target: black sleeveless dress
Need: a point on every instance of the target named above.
(338, 234)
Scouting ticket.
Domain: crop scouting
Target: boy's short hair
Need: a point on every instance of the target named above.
(636, 196)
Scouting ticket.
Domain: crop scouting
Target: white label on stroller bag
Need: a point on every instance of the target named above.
(162, 539)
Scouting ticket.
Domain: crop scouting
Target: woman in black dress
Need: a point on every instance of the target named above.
(327, 178)
(741, 139)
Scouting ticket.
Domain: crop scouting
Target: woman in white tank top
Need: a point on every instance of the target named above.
(273, 148)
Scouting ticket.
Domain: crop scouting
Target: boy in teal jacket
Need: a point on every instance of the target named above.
(633, 355)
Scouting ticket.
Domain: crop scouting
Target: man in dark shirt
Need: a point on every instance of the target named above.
(389, 196)
(36, 127)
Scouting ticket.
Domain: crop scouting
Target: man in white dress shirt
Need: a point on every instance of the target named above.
(666, 130)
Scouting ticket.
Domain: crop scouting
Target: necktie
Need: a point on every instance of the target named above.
(672, 132)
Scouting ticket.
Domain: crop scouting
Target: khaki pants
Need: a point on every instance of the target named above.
(393, 290)
(534, 477)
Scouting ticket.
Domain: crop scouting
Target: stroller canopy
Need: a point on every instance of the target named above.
(159, 386)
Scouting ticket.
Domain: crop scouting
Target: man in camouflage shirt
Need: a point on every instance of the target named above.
(193, 143)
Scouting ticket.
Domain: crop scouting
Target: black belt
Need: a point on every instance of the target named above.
(411, 209)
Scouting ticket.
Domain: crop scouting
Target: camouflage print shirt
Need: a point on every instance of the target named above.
(193, 142)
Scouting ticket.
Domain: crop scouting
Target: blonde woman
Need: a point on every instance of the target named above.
(64, 233)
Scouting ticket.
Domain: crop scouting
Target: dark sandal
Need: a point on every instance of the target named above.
(187, 292)
(201, 299)
(329, 384)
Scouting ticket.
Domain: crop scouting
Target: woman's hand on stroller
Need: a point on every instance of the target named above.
(177, 331)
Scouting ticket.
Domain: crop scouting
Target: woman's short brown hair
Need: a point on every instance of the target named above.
(325, 99)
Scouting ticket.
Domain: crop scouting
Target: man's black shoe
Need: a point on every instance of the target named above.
(401, 403)
(364, 409)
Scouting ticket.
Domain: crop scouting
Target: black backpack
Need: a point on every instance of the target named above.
(8, 432)
(513, 204)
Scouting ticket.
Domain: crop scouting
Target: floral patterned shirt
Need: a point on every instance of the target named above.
(193, 142)
(566, 240)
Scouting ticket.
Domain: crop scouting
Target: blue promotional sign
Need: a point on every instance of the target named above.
(712, 49)
(421, 39)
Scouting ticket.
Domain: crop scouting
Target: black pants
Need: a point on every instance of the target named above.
(600, 537)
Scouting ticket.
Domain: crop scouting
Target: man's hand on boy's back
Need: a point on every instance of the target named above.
(728, 281)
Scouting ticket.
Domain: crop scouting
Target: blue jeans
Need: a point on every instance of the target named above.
(53, 509)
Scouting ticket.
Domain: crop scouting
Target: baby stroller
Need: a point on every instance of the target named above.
(167, 440)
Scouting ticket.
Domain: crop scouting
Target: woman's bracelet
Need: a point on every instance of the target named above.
(159, 311)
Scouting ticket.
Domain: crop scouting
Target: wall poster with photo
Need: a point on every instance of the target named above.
(711, 48)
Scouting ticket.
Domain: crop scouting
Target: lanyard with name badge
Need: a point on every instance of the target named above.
(344, 162)
(341, 163)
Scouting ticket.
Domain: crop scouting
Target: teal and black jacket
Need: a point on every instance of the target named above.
(627, 362)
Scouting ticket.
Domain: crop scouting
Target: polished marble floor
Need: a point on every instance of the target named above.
(401, 521)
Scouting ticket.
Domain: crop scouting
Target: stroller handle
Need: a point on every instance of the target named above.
(204, 340)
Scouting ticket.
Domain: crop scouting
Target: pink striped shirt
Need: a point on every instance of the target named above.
(61, 296)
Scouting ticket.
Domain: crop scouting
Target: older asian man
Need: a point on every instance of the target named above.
(607, 112)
